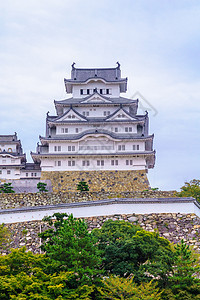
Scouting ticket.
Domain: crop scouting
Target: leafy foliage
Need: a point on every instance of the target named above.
(23, 276)
(42, 187)
(191, 189)
(82, 186)
(71, 247)
(78, 264)
(127, 249)
(7, 188)
(124, 288)
(4, 236)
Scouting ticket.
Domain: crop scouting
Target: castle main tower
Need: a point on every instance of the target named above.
(96, 135)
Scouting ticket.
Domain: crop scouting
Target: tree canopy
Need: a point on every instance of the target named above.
(191, 189)
(118, 261)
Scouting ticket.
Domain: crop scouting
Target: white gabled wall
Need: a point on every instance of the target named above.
(7, 147)
(114, 89)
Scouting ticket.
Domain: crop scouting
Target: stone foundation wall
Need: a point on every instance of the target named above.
(174, 227)
(37, 199)
(116, 181)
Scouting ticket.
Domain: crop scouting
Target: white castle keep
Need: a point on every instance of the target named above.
(94, 129)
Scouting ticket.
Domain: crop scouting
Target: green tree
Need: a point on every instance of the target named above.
(7, 188)
(23, 276)
(185, 281)
(127, 249)
(191, 189)
(82, 186)
(71, 247)
(42, 187)
(124, 288)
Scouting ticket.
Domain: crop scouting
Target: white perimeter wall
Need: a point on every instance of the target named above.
(101, 210)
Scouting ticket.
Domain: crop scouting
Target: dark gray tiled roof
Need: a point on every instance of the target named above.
(99, 120)
(119, 100)
(31, 166)
(92, 120)
(102, 202)
(20, 154)
(76, 112)
(150, 153)
(95, 131)
(9, 138)
(108, 74)
(12, 166)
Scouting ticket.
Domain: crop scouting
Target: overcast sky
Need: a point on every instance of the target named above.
(156, 42)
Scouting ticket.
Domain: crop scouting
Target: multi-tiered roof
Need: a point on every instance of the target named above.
(96, 110)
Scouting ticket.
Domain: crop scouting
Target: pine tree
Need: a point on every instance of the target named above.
(82, 186)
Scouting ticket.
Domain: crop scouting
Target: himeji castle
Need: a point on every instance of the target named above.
(96, 128)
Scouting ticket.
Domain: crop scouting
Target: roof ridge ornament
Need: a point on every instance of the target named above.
(118, 65)
(73, 65)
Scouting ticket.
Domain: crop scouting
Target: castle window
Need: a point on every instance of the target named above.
(69, 148)
(71, 163)
(31, 174)
(121, 147)
(57, 163)
(81, 91)
(26, 174)
(88, 91)
(129, 162)
(76, 130)
(0, 171)
(9, 149)
(116, 129)
(8, 172)
(85, 163)
(136, 147)
(101, 91)
(107, 91)
(73, 148)
(64, 130)
(114, 162)
(59, 148)
(128, 129)
(35, 174)
(100, 162)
